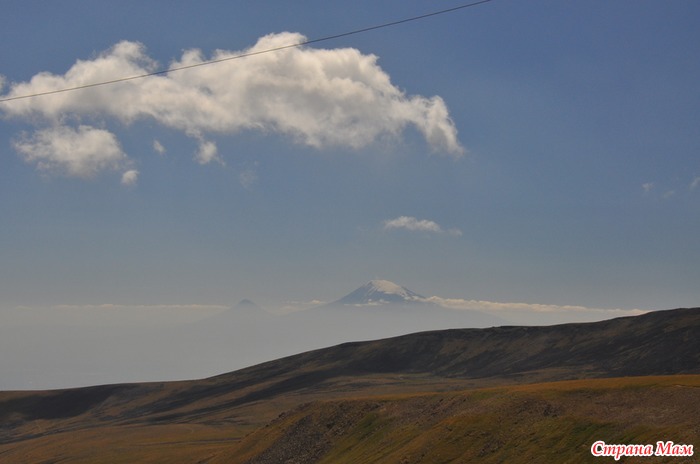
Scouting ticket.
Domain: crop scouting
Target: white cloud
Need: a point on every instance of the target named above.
(130, 177)
(319, 97)
(412, 224)
(158, 147)
(647, 187)
(81, 152)
(207, 152)
(695, 183)
(418, 225)
(535, 313)
(458, 303)
(668, 194)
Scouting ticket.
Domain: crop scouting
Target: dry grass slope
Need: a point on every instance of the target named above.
(550, 422)
(553, 422)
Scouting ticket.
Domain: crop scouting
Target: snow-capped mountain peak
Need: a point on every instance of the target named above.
(386, 286)
(379, 292)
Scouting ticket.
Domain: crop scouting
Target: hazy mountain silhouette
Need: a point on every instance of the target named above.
(381, 308)
(247, 306)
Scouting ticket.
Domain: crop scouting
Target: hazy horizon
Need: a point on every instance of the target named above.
(72, 346)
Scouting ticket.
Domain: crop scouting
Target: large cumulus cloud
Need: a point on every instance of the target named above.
(318, 97)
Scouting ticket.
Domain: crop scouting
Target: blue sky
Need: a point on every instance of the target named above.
(541, 152)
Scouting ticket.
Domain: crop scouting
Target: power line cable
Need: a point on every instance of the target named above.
(244, 55)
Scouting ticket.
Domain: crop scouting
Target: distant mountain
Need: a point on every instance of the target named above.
(381, 308)
(376, 292)
(246, 306)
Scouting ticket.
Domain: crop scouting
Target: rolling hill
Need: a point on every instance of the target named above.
(439, 396)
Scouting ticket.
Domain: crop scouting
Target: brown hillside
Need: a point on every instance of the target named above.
(553, 422)
(204, 419)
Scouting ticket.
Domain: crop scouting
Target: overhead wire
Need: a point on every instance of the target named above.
(248, 54)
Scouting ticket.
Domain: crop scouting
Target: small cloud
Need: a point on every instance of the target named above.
(695, 183)
(248, 178)
(412, 224)
(3, 79)
(130, 177)
(494, 306)
(647, 187)
(207, 152)
(418, 225)
(668, 194)
(82, 152)
(158, 147)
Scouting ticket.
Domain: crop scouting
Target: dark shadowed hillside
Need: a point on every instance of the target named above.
(661, 342)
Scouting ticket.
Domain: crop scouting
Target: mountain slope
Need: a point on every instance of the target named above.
(207, 418)
(555, 422)
(657, 343)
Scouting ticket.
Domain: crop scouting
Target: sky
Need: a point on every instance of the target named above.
(538, 153)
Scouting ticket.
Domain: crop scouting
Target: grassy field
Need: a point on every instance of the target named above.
(549, 422)
(553, 422)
